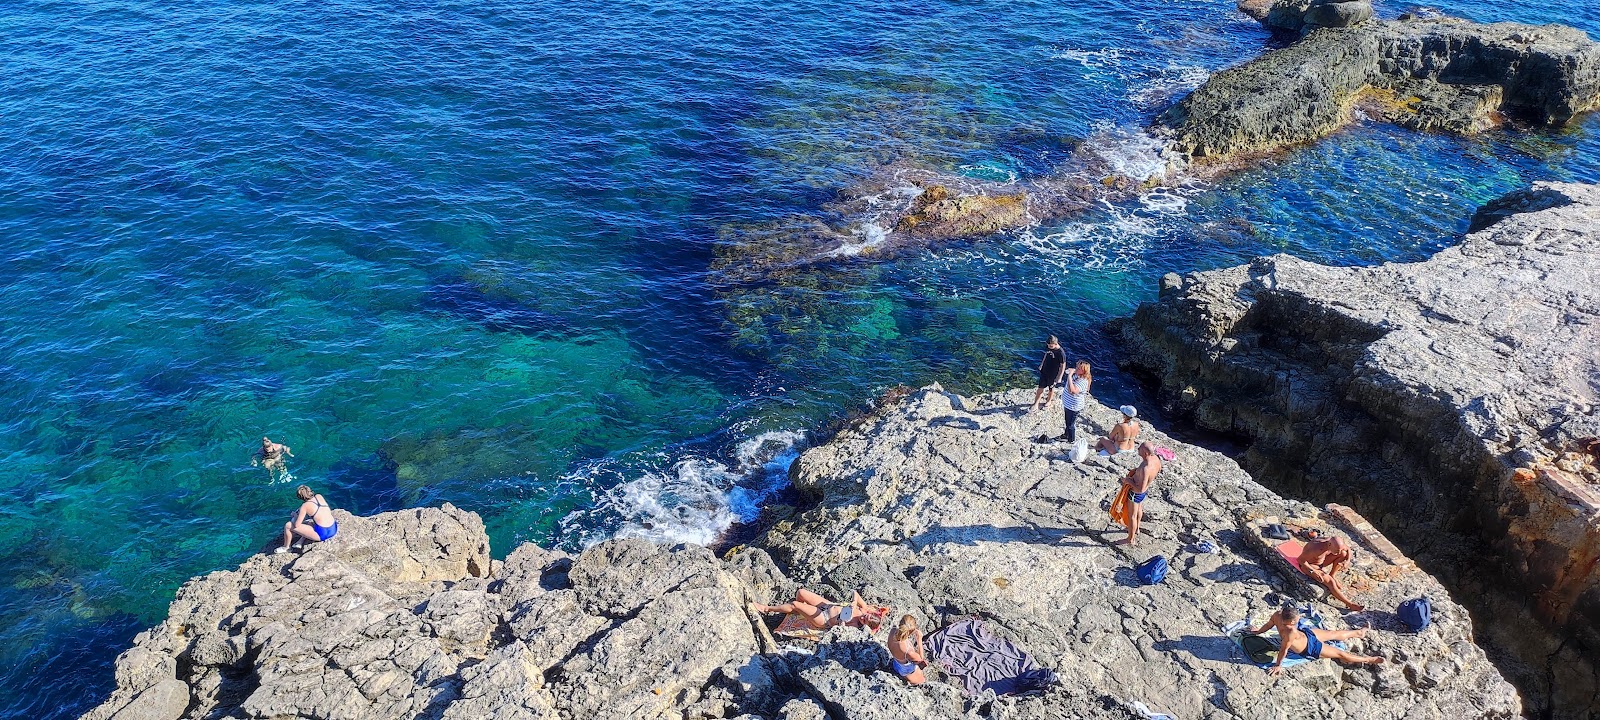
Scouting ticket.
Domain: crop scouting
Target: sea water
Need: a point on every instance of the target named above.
(460, 252)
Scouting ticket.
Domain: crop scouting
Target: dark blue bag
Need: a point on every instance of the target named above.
(1416, 614)
(1153, 570)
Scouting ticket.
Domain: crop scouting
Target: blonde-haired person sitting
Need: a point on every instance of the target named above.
(905, 651)
(312, 521)
(1123, 435)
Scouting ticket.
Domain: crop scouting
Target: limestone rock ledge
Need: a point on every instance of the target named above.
(1428, 73)
(1452, 401)
(937, 504)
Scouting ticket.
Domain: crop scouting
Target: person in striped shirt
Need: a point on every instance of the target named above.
(1075, 398)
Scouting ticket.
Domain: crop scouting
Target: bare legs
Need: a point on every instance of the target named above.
(807, 604)
(1108, 445)
(1049, 394)
(1331, 582)
(1134, 514)
(303, 530)
(1332, 653)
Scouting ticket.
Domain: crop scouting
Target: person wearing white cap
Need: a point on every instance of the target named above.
(1123, 435)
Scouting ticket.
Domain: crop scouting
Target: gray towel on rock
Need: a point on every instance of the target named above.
(981, 661)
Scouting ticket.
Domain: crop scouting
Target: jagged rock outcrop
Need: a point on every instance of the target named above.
(1453, 401)
(939, 505)
(400, 617)
(944, 506)
(1296, 17)
(1431, 73)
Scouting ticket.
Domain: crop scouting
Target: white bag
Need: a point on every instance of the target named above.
(1080, 452)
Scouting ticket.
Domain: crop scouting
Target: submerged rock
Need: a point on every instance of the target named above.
(1453, 401)
(1437, 73)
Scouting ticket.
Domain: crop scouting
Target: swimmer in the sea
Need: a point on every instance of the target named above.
(271, 456)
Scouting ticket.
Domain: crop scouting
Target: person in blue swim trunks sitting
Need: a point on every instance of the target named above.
(905, 651)
(1309, 644)
(312, 521)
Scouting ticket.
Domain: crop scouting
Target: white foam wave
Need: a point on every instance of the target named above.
(1129, 151)
(1167, 85)
(868, 235)
(693, 499)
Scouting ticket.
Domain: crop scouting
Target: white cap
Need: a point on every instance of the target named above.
(1129, 410)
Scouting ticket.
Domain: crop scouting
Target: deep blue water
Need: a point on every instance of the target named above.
(459, 252)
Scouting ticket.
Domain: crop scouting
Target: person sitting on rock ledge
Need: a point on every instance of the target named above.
(1322, 560)
(823, 613)
(1138, 481)
(906, 655)
(1309, 644)
(313, 508)
(1122, 434)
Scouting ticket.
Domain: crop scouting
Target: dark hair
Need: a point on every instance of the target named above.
(1288, 611)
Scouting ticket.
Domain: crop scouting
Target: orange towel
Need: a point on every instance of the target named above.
(795, 625)
(1290, 550)
(1121, 509)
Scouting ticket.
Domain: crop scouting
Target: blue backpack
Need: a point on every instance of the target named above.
(1153, 570)
(1417, 614)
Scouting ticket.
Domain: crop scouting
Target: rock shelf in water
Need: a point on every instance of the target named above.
(939, 505)
(1425, 73)
(1453, 401)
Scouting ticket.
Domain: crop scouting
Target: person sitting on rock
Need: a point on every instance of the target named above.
(823, 613)
(1138, 481)
(1122, 434)
(1323, 558)
(1310, 644)
(905, 651)
(312, 521)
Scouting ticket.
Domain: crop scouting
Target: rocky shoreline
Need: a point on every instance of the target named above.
(943, 507)
(1453, 401)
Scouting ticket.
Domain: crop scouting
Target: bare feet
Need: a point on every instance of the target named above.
(1353, 607)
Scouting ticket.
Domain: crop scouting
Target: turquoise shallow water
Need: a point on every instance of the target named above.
(458, 252)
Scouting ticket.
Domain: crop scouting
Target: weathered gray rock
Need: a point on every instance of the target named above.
(1453, 401)
(1426, 73)
(395, 618)
(943, 505)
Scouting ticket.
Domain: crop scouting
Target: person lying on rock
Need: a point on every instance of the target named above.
(823, 613)
(1138, 481)
(1122, 434)
(1323, 558)
(312, 521)
(905, 651)
(1310, 645)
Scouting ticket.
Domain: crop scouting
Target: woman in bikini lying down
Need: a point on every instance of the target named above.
(823, 613)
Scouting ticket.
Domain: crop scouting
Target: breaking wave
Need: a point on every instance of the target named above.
(689, 499)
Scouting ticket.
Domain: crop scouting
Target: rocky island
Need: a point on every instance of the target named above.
(1420, 72)
(1452, 401)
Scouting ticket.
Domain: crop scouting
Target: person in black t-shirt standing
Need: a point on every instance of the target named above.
(1051, 369)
